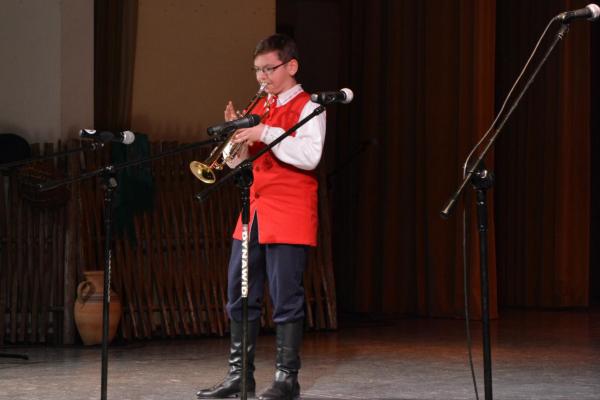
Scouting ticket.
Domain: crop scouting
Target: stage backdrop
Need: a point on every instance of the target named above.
(543, 163)
(423, 74)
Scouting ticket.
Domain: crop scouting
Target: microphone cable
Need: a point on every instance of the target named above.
(510, 92)
(466, 285)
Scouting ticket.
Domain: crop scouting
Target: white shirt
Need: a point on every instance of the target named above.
(303, 150)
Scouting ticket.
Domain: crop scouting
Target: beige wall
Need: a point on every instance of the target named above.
(46, 73)
(192, 57)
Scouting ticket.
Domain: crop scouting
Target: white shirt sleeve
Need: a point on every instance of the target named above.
(305, 148)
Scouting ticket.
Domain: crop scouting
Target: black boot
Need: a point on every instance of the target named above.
(232, 384)
(285, 386)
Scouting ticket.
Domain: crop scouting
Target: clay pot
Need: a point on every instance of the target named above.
(88, 309)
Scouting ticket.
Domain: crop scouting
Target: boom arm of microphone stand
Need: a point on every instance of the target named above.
(203, 195)
(90, 146)
(445, 213)
(42, 187)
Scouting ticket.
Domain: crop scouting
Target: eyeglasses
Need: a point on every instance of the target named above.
(268, 70)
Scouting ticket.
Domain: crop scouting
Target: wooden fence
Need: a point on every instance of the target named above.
(169, 268)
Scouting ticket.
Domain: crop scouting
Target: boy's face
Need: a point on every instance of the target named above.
(278, 76)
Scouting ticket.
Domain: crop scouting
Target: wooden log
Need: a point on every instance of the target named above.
(214, 262)
(15, 263)
(4, 254)
(56, 316)
(155, 247)
(154, 304)
(143, 274)
(169, 268)
(145, 294)
(210, 275)
(130, 323)
(45, 264)
(181, 267)
(317, 274)
(74, 241)
(161, 277)
(133, 288)
(221, 235)
(24, 274)
(36, 257)
(152, 221)
(326, 258)
(193, 263)
(199, 265)
(309, 293)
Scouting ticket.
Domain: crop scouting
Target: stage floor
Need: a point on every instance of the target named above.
(536, 355)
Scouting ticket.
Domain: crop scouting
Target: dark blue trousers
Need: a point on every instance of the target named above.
(282, 264)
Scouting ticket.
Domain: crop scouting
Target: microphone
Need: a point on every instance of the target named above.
(245, 122)
(343, 96)
(591, 12)
(125, 137)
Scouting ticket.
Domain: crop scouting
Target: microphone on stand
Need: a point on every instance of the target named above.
(245, 122)
(125, 137)
(591, 12)
(343, 96)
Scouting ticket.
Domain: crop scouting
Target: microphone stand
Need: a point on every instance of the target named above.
(109, 185)
(482, 180)
(243, 180)
(90, 146)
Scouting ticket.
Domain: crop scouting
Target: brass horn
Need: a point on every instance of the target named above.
(227, 150)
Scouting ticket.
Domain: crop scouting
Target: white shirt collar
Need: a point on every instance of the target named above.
(287, 95)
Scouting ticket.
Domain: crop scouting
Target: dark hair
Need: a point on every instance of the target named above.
(284, 45)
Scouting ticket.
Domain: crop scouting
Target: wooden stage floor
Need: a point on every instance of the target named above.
(536, 355)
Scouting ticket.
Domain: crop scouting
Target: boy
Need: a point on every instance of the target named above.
(283, 220)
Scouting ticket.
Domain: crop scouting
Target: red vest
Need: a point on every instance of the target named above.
(284, 197)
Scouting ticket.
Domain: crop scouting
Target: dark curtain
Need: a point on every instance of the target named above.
(595, 161)
(425, 92)
(427, 77)
(543, 163)
(423, 77)
(115, 28)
